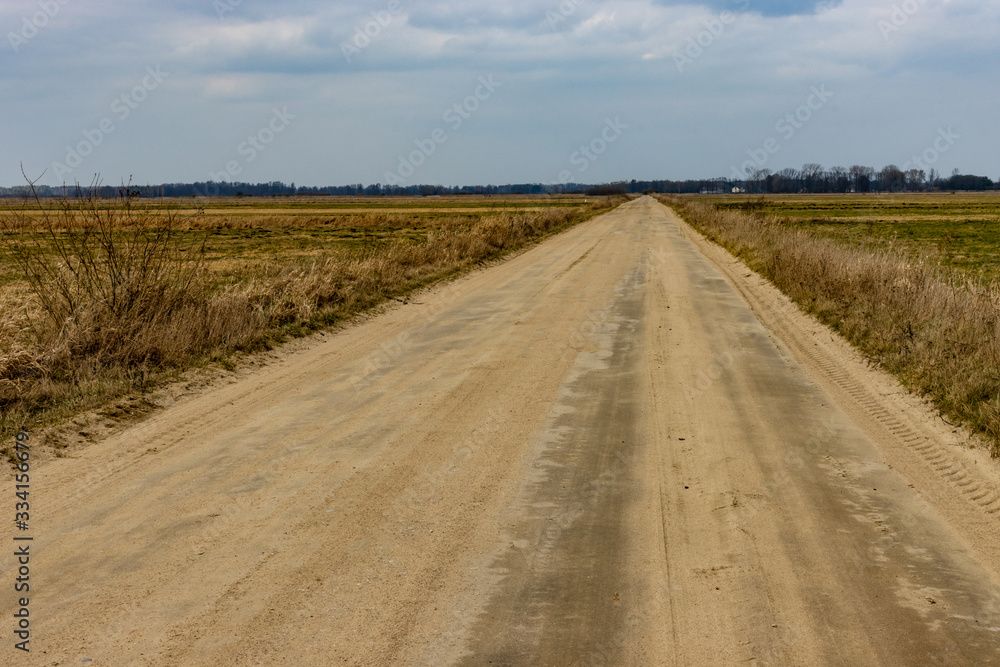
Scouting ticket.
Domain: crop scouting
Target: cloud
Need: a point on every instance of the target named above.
(762, 7)
(361, 106)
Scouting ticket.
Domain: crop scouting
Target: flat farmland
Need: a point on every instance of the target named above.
(240, 233)
(954, 231)
(102, 299)
(911, 280)
(618, 447)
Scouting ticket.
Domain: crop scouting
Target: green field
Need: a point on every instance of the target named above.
(103, 299)
(911, 280)
(241, 234)
(957, 231)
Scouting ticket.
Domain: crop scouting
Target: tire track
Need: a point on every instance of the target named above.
(980, 492)
(789, 325)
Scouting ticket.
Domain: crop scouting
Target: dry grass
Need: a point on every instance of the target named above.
(116, 298)
(937, 331)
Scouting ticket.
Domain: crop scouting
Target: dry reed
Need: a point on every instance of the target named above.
(119, 299)
(938, 331)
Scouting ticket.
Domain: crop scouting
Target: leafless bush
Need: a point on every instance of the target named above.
(117, 296)
(103, 277)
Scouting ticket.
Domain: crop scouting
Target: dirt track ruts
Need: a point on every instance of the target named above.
(594, 453)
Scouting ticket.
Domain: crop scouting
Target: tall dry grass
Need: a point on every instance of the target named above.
(938, 331)
(118, 300)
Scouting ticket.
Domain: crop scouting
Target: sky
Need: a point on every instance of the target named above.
(486, 92)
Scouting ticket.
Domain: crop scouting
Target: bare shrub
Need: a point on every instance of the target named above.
(118, 298)
(17, 364)
(105, 280)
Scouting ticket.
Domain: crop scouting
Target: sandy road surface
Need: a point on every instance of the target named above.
(592, 454)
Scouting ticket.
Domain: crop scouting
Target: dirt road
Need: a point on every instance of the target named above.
(592, 454)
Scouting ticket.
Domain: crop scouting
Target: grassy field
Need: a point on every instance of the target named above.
(105, 299)
(912, 281)
(955, 231)
(240, 231)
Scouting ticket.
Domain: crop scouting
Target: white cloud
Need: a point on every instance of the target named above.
(606, 57)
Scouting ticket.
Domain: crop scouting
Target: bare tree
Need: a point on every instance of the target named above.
(757, 178)
(812, 173)
(861, 178)
(915, 179)
(892, 179)
(839, 179)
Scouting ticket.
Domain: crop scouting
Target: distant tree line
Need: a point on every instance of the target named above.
(811, 178)
(280, 189)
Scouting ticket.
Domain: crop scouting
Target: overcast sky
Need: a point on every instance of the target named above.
(322, 93)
